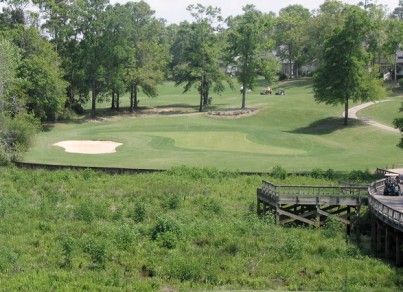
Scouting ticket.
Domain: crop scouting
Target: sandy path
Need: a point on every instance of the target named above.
(352, 113)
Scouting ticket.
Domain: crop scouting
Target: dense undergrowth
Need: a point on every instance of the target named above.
(183, 229)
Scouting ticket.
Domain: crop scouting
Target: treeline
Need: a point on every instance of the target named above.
(56, 55)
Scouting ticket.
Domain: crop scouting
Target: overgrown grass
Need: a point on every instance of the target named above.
(185, 229)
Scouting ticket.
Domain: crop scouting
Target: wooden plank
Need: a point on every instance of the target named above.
(324, 213)
(299, 218)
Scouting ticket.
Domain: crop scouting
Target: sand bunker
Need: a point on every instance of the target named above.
(89, 147)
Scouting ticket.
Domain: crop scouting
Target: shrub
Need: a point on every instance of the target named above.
(85, 211)
(96, 248)
(360, 176)
(15, 135)
(67, 243)
(139, 212)
(329, 174)
(317, 173)
(165, 224)
(279, 172)
(124, 236)
(172, 202)
(8, 258)
(212, 206)
(332, 227)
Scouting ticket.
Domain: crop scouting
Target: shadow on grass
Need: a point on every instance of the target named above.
(327, 126)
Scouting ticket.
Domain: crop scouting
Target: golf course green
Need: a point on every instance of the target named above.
(292, 131)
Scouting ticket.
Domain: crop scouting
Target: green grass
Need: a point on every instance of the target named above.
(292, 131)
(384, 112)
(185, 229)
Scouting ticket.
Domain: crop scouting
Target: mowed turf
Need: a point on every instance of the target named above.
(292, 131)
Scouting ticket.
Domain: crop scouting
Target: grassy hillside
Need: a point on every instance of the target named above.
(186, 229)
(292, 131)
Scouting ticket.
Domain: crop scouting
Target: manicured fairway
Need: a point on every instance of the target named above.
(292, 131)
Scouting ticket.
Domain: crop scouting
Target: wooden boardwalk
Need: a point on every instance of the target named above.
(386, 223)
(313, 205)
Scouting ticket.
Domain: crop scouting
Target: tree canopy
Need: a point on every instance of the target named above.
(344, 74)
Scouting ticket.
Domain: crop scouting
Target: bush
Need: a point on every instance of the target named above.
(172, 202)
(360, 176)
(317, 173)
(279, 172)
(165, 224)
(77, 108)
(139, 213)
(8, 258)
(96, 248)
(16, 134)
(124, 237)
(329, 174)
(85, 211)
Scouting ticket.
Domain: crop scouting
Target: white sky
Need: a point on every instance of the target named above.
(174, 11)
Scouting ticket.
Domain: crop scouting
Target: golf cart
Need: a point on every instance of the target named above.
(267, 91)
(280, 91)
(392, 185)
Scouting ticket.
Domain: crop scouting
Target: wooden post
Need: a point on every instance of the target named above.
(398, 237)
(277, 214)
(357, 223)
(387, 242)
(349, 219)
(378, 238)
(373, 232)
(259, 207)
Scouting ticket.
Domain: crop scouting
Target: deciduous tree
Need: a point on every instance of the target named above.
(344, 74)
(248, 44)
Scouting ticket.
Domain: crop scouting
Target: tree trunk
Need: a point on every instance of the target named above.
(135, 101)
(113, 100)
(395, 73)
(131, 97)
(94, 100)
(346, 111)
(118, 101)
(201, 93)
(243, 96)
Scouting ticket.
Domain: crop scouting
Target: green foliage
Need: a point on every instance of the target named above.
(172, 202)
(85, 211)
(67, 244)
(317, 173)
(332, 228)
(124, 236)
(139, 212)
(97, 249)
(360, 176)
(43, 237)
(344, 74)
(248, 40)
(279, 172)
(8, 259)
(165, 224)
(16, 134)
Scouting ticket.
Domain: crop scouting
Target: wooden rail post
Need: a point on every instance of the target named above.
(398, 248)
(387, 242)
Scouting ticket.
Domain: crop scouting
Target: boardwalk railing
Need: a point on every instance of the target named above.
(312, 204)
(350, 191)
(386, 214)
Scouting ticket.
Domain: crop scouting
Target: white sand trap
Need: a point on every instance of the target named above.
(89, 147)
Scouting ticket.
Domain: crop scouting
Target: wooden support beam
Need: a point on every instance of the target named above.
(387, 242)
(399, 243)
(296, 217)
(378, 238)
(327, 214)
